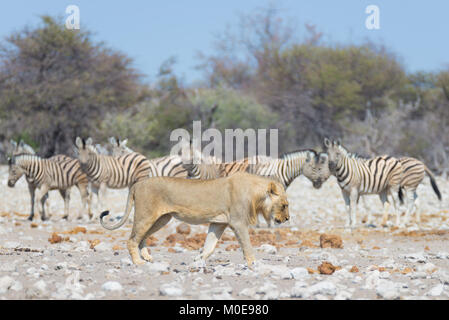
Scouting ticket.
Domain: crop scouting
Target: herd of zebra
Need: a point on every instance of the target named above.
(93, 171)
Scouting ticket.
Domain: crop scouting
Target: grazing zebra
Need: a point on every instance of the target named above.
(46, 175)
(167, 166)
(285, 169)
(357, 176)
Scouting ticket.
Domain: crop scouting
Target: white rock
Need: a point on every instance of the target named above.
(387, 289)
(8, 267)
(126, 262)
(248, 292)
(300, 273)
(103, 246)
(41, 286)
(323, 287)
(372, 280)
(171, 290)
(436, 291)
(61, 266)
(6, 283)
(427, 268)
(112, 286)
(266, 288)
(343, 295)
(158, 266)
(299, 290)
(268, 248)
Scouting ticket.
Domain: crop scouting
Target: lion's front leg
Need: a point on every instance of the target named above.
(242, 234)
(213, 235)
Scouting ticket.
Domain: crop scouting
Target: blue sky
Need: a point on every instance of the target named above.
(152, 31)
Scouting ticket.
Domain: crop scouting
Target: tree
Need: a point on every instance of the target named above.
(57, 83)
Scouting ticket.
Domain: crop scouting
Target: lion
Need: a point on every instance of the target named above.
(233, 201)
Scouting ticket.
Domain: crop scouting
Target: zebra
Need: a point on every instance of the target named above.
(414, 172)
(45, 175)
(310, 163)
(357, 176)
(67, 163)
(119, 147)
(167, 166)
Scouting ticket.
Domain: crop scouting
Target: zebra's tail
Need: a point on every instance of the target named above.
(401, 195)
(129, 206)
(433, 182)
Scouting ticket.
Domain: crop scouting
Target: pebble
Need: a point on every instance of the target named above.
(112, 286)
(387, 289)
(171, 290)
(268, 248)
(6, 283)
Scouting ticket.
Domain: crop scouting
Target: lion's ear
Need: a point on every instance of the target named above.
(273, 188)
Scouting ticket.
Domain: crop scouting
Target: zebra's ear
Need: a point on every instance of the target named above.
(21, 143)
(79, 143)
(13, 143)
(89, 141)
(9, 160)
(112, 140)
(338, 142)
(124, 142)
(327, 143)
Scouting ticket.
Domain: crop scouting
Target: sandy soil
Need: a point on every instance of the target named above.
(58, 259)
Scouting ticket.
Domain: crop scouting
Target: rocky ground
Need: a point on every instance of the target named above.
(310, 257)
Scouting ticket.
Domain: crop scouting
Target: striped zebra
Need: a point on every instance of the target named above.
(45, 175)
(358, 176)
(167, 166)
(414, 172)
(119, 147)
(289, 166)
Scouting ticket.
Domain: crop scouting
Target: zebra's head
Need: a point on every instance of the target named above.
(335, 151)
(316, 168)
(85, 150)
(15, 172)
(119, 147)
(21, 148)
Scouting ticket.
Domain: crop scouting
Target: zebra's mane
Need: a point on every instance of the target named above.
(23, 156)
(352, 155)
(288, 155)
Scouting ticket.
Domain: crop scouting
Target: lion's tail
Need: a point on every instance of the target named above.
(129, 206)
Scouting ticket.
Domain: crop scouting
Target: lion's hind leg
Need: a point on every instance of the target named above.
(141, 228)
(161, 222)
(213, 235)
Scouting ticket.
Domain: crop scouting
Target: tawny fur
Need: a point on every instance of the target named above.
(233, 201)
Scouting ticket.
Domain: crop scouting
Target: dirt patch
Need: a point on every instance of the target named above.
(331, 241)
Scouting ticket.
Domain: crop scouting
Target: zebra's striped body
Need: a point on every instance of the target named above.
(285, 169)
(413, 174)
(46, 175)
(358, 176)
(168, 166)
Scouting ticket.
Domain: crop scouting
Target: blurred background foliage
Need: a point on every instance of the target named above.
(57, 84)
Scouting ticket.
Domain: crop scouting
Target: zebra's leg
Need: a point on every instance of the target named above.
(65, 194)
(354, 196)
(86, 200)
(213, 235)
(102, 195)
(94, 190)
(384, 199)
(43, 196)
(416, 209)
(410, 202)
(32, 190)
(161, 222)
(394, 192)
(347, 206)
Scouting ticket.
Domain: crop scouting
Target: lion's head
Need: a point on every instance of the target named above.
(275, 205)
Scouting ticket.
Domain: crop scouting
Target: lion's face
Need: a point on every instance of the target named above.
(276, 203)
